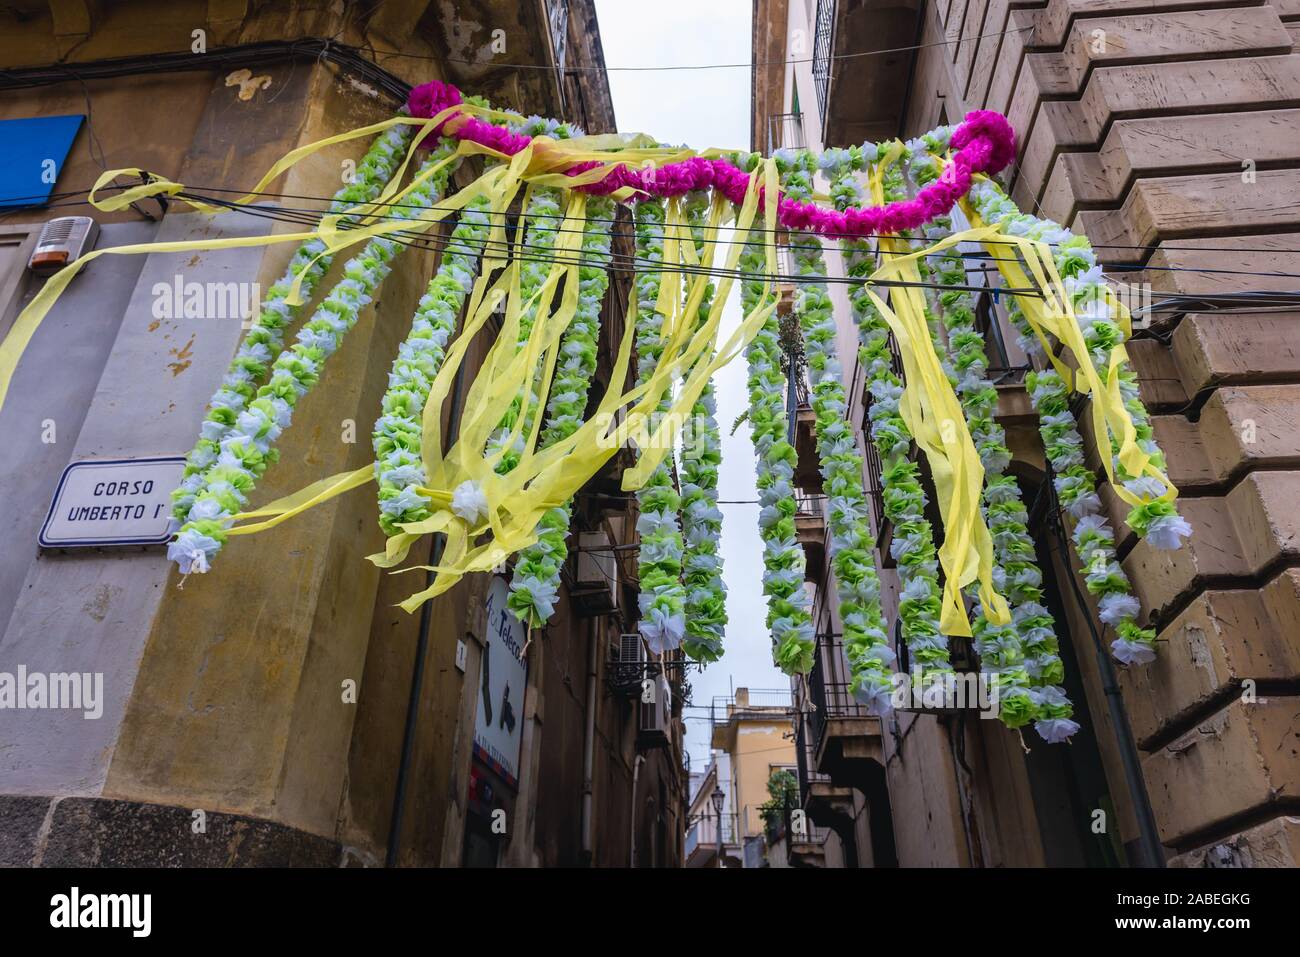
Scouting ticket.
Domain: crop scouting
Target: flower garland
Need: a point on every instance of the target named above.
(1104, 328)
(248, 446)
(1023, 655)
(536, 579)
(904, 500)
(399, 469)
(706, 595)
(543, 215)
(788, 604)
(247, 369)
(866, 644)
(1093, 539)
(1074, 482)
(662, 598)
(984, 143)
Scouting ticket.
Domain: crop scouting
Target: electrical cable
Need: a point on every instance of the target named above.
(729, 227)
(829, 58)
(614, 261)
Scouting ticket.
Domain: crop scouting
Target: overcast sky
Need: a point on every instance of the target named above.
(703, 108)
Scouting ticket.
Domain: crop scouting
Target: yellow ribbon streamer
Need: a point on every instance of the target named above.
(517, 374)
(1053, 317)
(933, 414)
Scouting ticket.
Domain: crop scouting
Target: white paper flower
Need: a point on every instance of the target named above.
(192, 551)
(1056, 730)
(662, 632)
(1114, 608)
(1168, 531)
(542, 595)
(469, 501)
(876, 696)
(1132, 652)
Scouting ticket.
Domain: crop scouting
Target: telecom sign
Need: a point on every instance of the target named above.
(499, 726)
(113, 502)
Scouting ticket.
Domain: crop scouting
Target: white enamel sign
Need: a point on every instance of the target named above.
(498, 725)
(113, 502)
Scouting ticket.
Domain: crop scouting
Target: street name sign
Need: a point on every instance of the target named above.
(113, 502)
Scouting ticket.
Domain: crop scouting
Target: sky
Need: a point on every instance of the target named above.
(703, 108)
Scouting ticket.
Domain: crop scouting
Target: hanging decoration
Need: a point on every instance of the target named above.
(706, 595)
(784, 564)
(245, 446)
(866, 645)
(1023, 655)
(662, 598)
(536, 581)
(912, 545)
(529, 253)
(1104, 325)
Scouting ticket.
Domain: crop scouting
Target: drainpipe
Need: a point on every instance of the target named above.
(589, 739)
(636, 769)
(421, 653)
(1148, 832)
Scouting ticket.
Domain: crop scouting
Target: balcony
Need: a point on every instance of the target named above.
(809, 848)
(846, 740)
(810, 532)
(803, 436)
(702, 841)
(864, 97)
(845, 749)
(785, 131)
(728, 712)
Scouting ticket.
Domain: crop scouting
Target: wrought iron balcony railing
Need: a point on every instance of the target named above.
(823, 59)
(785, 130)
(828, 689)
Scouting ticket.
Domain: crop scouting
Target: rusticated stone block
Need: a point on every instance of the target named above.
(1196, 267)
(1236, 348)
(1054, 22)
(1156, 210)
(93, 832)
(1265, 509)
(1238, 536)
(1160, 576)
(1241, 428)
(1159, 385)
(1157, 146)
(1185, 454)
(1247, 427)
(20, 827)
(1180, 35)
(1242, 759)
(1274, 843)
(1219, 640)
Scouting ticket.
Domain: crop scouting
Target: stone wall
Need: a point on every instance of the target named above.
(1165, 131)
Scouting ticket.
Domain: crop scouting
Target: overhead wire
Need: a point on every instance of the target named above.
(730, 227)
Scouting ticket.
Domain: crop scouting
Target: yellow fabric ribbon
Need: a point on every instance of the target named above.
(518, 373)
(1053, 317)
(933, 414)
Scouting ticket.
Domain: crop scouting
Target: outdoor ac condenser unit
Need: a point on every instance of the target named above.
(630, 650)
(595, 589)
(62, 241)
(655, 716)
(627, 664)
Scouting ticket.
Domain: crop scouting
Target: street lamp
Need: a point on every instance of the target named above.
(719, 796)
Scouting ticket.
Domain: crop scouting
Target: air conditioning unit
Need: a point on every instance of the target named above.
(656, 716)
(595, 582)
(627, 664)
(62, 241)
